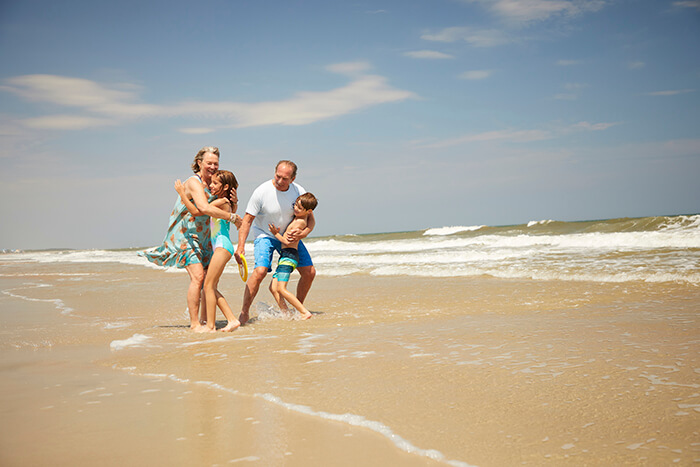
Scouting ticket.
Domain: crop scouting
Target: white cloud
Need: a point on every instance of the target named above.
(196, 131)
(66, 122)
(476, 74)
(475, 37)
(349, 68)
(429, 54)
(309, 107)
(527, 11)
(79, 93)
(568, 62)
(636, 65)
(671, 92)
(518, 136)
(101, 105)
(687, 4)
(586, 126)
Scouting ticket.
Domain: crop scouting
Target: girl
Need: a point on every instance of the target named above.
(222, 183)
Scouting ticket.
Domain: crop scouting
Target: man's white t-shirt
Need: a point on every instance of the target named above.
(271, 206)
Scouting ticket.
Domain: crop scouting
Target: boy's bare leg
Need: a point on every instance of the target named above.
(251, 290)
(278, 298)
(307, 273)
(282, 289)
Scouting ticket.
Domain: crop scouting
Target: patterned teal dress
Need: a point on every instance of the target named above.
(188, 240)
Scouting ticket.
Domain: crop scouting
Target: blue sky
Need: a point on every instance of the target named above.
(401, 115)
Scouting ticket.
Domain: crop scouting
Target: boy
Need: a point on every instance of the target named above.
(289, 257)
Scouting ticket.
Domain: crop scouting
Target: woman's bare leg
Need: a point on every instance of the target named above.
(196, 272)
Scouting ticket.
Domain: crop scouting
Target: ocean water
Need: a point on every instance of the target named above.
(447, 342)
(650, 249)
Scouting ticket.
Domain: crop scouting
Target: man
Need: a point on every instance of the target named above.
(272, 203)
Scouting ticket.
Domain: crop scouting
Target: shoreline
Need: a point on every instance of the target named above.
(450, 368)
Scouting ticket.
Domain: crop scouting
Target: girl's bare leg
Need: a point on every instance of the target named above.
(216, 268)
(196, 272)
(233, 323)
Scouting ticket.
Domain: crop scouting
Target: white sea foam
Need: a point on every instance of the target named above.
(358, 420)
(452, 230)
(347, 418)
(57, 302)
(137, 340)
(542, 222)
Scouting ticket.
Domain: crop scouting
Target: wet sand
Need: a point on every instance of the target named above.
(399, 371)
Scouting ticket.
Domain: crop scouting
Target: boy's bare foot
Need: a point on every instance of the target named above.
(231, 326)
(243, 318)
(306, 315)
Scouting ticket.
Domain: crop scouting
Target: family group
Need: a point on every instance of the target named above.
(279, 215)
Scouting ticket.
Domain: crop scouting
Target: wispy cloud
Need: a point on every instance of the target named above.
(97, 104)
(573, 91)
(474, 37)
(671, 92)
(636, 65)
(568, 62)
(476, 74)
(527, 11)
(428, 54)
(518, 136)
(687, 4)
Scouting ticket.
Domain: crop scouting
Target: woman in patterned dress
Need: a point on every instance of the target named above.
(187, 243)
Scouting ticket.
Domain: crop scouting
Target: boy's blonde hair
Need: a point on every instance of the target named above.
(308, 201)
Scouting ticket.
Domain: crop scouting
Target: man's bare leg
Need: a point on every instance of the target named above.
(307, 273)
(251, 290)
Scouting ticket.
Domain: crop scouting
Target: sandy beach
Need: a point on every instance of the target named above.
(98, 366)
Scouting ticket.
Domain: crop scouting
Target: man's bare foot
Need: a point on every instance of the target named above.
(243, 318)
(231, 326)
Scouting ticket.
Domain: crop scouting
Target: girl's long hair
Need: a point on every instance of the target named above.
(227, 178)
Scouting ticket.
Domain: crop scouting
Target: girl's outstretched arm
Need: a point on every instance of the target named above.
(180, 188)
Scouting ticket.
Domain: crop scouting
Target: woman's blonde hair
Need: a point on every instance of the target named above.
(200, 155)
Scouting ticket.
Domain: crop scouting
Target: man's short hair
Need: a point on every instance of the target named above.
(308, 201)
(290, 164)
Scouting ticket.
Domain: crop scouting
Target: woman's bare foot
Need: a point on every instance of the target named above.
(231, 326)
(202, 328)
(306, 315)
